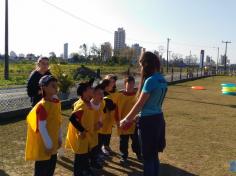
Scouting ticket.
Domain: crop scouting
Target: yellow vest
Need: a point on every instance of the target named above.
(125, 104)
(73, 139)
(108, 118)
(35, 148)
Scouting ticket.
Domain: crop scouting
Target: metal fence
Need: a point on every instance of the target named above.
(12, 99)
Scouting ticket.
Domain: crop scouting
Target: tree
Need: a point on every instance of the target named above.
(84, 50)
(96, 51)
(52, 55)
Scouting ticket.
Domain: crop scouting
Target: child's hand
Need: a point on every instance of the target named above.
(98, 126)
(59, 144)
(48, 151)
(118, 124)
(82, 134)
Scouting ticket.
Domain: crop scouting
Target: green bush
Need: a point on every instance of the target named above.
(65, 82)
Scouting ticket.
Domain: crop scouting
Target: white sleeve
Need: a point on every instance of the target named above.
(44, 134)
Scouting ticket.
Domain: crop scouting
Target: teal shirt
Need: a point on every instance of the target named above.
(156, 87)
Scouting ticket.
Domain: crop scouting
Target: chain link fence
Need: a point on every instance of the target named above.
(12, 99)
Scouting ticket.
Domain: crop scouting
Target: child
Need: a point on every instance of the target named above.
(125, 103)
(80, 134)
(104, 135)
(98, 105)
(44, 134)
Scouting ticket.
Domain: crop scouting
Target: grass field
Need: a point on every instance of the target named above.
(200, 135)
(19, 72)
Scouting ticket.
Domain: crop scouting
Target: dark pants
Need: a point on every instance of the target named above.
(46, 167)
(152, 131)
(93, 154)
(104, 139)
(81, 163)
(124, 142)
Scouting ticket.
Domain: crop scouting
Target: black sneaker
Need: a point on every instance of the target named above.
(123, 160)
(88, 172)
(96, 165)
(139, 157)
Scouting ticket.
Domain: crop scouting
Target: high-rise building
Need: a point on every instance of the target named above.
(65, 55)
(137, 51)
(119, 40)
(106, 51)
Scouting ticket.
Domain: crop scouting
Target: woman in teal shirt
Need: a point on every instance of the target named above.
(152, 91)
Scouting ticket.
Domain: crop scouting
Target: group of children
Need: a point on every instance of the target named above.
(91, 123)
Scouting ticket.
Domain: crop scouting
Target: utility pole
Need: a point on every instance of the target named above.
(217, 61)
(225, 56)
(167, 57)
(6, 67)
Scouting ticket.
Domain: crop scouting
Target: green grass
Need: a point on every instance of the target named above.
(200, 136)
(19, 72)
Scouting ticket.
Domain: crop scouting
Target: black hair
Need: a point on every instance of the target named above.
(82, 87)
(129, 79)
(45, 81)
(104, 83)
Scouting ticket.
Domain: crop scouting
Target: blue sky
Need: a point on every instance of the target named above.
(36, 26)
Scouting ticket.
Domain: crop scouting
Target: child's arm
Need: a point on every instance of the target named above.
(41, 118)
(44, 134)
(75, 119)
(109, 105)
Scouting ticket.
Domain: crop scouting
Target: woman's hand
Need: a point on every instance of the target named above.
(59, 143)
(124, 122)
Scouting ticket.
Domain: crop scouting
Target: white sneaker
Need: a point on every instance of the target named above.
(105, 151)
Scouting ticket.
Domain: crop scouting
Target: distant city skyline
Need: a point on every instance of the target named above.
(43, 26)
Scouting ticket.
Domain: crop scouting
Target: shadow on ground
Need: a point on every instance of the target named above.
(131, 168)
(3, 173)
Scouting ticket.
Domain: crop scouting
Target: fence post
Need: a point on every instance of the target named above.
(197, 72)
(187, 73)
(180, 73)
(201, 72)
(172, 74)
(98, 73)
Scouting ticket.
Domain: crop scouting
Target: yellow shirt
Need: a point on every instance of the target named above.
(73, 140)
(125, 103)
(108, 118)
(35, 148)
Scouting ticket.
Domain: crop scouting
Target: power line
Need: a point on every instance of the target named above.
(111, 32)
(91, 24)
(76, 17)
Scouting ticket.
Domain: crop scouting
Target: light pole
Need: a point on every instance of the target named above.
(225, 57)
(217, 59)
(6, 67)
(167, 57)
